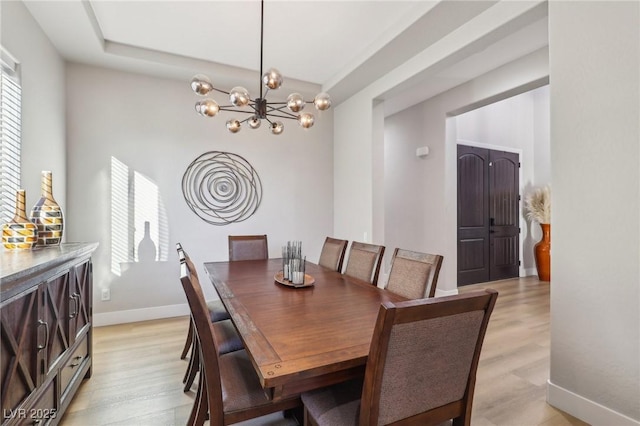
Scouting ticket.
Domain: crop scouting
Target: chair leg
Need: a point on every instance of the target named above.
(194, 366)
(187, 344)
(194, 410)
(202, 413)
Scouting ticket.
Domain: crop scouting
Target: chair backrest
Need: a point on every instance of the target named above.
(414, 275)
(248, 247)
(204, 334)
(332, 254)
(364, 261)
(423, 359)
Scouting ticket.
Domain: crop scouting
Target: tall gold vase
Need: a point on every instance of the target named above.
(20, 233)
(47, 215)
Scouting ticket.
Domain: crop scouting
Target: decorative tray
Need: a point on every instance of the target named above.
(308, 281)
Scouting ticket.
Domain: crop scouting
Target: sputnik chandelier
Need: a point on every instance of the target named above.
(260, 108)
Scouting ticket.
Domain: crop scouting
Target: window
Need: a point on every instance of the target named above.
(10, 112)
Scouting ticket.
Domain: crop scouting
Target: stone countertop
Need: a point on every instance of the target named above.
(19, 269)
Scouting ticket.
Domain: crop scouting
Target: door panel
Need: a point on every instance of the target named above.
(504, 215)
(473, 210)
(488, 215)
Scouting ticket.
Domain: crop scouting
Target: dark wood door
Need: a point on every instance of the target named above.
(488, 215)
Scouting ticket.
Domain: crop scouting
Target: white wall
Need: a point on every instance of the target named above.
(43, 102)
(595, 151)
(355, 166)
(420, 203)
(149, 124)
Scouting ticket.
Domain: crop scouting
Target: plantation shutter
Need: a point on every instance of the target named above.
(10, 130)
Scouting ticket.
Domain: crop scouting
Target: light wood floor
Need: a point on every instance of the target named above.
(137, 373)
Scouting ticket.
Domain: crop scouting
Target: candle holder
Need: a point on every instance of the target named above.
(293, 266)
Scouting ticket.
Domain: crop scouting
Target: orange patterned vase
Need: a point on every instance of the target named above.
(47, 214)
(20, 233)
(542, 251)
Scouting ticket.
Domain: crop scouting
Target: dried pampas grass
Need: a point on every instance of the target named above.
(538, 205)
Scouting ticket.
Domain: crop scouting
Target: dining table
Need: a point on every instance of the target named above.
(299, 338)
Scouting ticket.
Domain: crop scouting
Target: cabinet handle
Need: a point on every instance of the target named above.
(76, 362)
(76, 297)
(46, 333)
(76, 304)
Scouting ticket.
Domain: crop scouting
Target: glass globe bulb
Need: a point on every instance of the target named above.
(272, 78)
(295, 102)
(207, 107)
(201, 84)
(306, 120)
(254, 122)
(277, 127)
(239, 96)
(233, 125)
(322, 101)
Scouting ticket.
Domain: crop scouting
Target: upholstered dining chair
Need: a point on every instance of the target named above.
(332, 254)
(364, 261)
(229, 390)
(414, 275)
(248, 247)
(421, 368)
(225, 332)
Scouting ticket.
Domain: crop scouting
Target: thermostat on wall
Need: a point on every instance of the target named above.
(423, 151)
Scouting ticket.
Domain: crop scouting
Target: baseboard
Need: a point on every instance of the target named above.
(440, 293)
(135, 315)
(584, 409)
(529, 272)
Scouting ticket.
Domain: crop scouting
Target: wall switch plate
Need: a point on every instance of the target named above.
(106, 294)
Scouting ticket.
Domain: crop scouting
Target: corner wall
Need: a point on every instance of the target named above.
(421, 194)
(148, 128)
(595, 150)
(43, 102)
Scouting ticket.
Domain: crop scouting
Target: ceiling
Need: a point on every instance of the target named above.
(340, 46)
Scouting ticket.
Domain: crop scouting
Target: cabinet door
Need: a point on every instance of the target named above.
(82, 298)
(19, 353)
(55, 313)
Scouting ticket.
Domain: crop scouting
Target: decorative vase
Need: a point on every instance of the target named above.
(20, 233)
(47, 215)
(542, 251)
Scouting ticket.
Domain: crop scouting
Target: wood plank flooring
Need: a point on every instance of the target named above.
(137, 373)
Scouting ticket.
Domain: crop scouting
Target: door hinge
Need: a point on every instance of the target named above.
(518, 164)
(519, 230)
(519, 197)
(519, 263)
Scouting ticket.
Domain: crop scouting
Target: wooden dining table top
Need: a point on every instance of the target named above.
(299, 338)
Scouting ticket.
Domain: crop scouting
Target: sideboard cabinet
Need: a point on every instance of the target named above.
(46, 302)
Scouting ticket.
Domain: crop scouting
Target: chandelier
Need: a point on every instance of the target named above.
(260, 108)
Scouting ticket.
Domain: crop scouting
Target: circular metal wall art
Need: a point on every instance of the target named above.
(222, 188)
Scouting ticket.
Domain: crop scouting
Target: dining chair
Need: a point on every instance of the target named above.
(229, 390)
(364, 262)
(332, 254)
(414, 275)
(217, 312)
(248, 247)
(421, 368)
(225, 332)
